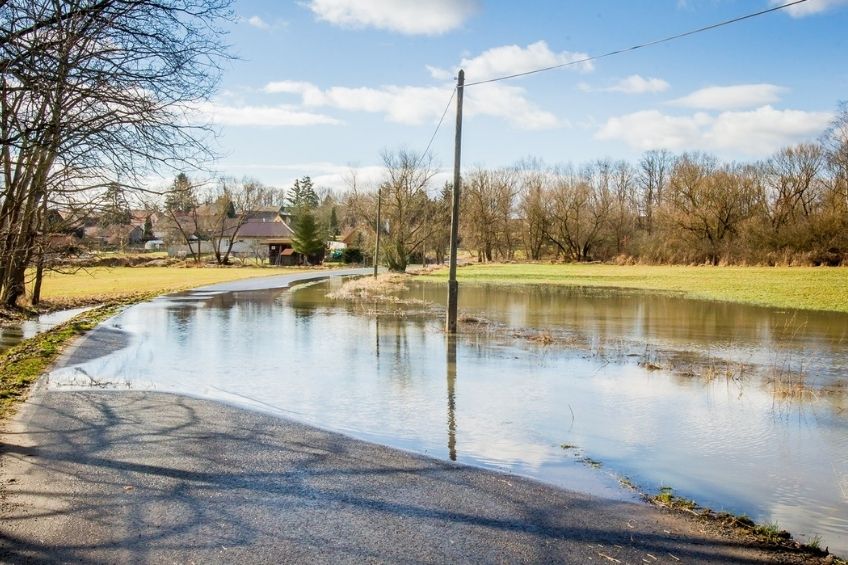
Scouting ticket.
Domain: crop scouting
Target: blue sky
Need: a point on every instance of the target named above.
(321, 86)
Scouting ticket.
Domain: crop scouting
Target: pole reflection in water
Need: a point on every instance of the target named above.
(377, 334)
(451, 375)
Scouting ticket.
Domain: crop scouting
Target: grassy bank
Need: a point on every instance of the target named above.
(99, 284)
(808, 288)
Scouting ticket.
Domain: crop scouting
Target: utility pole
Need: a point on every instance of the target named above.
(453, 287)
(377, 244)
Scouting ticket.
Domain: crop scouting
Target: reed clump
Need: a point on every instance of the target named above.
(383, 288)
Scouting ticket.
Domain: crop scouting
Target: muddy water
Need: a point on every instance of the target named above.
(579, 416)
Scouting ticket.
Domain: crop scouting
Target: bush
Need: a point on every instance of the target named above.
(352, 255)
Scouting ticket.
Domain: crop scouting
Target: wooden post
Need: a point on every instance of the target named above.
(453, 287)
(377, 244)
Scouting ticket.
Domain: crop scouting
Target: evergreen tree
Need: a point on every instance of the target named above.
(181, 196)
(334, 223)
(116, 210)
(307, 238)
(302, 195)
(148, 230)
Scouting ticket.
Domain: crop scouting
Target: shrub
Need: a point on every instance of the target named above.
(352, 255)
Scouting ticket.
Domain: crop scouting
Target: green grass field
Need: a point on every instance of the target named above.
(105, 283)
(808, 288)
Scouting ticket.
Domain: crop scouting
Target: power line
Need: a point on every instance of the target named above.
(602, 56)
(640, 46)
(439, 125)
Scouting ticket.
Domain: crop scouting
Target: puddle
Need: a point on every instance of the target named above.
(13, 334)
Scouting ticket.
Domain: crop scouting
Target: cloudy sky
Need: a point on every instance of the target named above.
(321, 86)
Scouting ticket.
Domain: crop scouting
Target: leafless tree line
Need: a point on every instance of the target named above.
(791, 208)
(94, 93)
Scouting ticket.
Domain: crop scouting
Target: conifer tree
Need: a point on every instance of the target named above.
(307, 238)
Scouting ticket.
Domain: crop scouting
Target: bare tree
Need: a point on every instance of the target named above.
(227, 211)
(531, 208)
(92, 91)
(622, 216)
(577, 213)
(480, 217)
(709, 202)
(835, 143)
(654, 168)
(406, 206)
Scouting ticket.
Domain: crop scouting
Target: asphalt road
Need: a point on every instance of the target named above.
(140, 477)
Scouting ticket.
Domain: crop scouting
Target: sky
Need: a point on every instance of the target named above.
(323, 87)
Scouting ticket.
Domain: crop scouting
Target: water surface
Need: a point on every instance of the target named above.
(496, 399)
(15, 332)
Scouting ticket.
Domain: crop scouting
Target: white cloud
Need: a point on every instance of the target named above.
(410, 17)
(754, 133)
(731, 97)
(634, 84)
(246, 115)
(416, 105)
(510, 103)
(440, 74)
(810, 7)
(412, 105)
(512, 59)
(258, 22)
(765, 129)
(651, 129)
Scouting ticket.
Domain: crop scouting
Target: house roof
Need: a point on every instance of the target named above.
(349, 235)
(288, 251)
(265, 230)
(266, 213)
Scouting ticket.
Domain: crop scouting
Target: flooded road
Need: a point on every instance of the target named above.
(581, 417)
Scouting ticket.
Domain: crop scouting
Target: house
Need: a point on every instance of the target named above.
(352, 237)
(114, 234)
(269, 239)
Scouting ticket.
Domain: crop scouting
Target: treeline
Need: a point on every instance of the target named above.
(789, 209)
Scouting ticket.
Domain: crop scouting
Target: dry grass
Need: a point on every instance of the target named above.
(100, 284)
(384, 288)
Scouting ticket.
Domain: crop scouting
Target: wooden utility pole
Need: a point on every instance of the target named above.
(453, 287)
(377, 244)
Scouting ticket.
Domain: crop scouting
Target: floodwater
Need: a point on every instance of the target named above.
(580, 409)
(14, 333)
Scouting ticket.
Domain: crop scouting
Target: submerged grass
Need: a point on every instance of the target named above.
(807, 288)
(768, 534)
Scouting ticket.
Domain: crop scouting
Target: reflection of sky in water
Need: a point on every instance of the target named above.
(728, 445)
